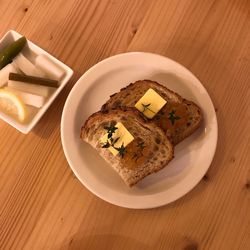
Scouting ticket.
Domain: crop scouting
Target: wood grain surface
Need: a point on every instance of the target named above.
(42, 204)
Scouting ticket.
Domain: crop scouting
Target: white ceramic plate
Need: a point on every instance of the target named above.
(193, 156)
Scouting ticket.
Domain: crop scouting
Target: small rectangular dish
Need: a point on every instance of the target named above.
(30, 65)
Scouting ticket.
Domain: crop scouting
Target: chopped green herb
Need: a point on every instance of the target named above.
(146, 107)
(112, 141)
(106, 145)
(121, 150)
(140, 145)
(173, 117)
(115, 141)
(111, 130)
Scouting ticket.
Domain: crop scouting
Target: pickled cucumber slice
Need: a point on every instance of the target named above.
(11, 51)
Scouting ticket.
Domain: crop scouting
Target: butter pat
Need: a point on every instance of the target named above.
(150, 104)
(124, 138)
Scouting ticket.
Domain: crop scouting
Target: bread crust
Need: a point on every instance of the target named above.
(129, 95)
(156, 154)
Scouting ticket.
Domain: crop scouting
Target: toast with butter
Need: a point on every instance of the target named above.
(132, 147)
(177, 117)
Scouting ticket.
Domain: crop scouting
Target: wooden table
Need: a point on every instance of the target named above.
(43, 206)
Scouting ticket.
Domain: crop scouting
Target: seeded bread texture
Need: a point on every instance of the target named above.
(190, 115)
(149, 152)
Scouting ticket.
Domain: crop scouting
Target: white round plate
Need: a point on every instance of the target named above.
(193, 156)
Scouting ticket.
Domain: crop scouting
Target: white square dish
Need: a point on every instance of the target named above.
(31, 50)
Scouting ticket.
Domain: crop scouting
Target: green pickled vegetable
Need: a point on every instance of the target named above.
(8, 53)
(33, 80)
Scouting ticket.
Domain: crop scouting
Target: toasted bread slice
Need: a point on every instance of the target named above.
(188, 115)
(149, 152)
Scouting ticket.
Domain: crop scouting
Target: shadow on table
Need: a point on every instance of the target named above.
(103, 241)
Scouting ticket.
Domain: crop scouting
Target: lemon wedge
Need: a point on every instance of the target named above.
(12, 105)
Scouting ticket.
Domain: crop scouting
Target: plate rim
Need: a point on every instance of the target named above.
(121, 204)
